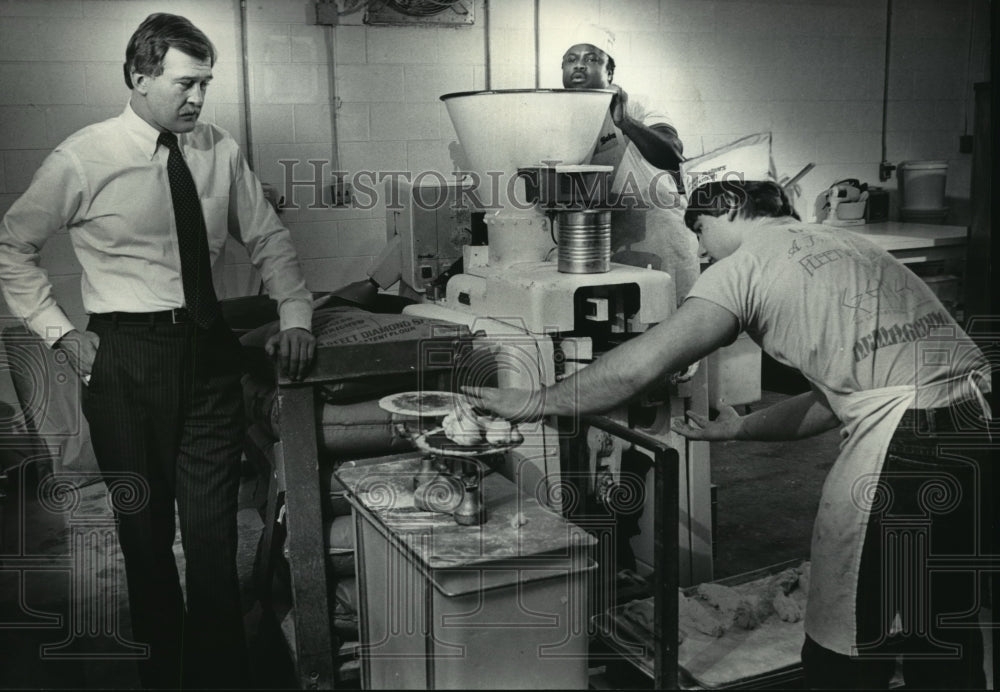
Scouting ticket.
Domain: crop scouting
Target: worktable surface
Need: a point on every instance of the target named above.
(899, 235)
(385, 493)
(908, 238)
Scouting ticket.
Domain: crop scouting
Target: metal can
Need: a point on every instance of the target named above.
(585, 241)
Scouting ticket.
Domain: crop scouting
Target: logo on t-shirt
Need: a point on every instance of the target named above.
(882, 337)
(608, 137)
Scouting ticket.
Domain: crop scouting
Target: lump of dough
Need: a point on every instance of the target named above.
(762, 604)
(746, 616)
(786, 580)
(787, 608)
(498, 431)
(694, 614)
(461, 430)
(805, 572)
(722, 597)
(734, 608)
(801, 592)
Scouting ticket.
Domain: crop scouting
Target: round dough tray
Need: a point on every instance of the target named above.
(436, 442)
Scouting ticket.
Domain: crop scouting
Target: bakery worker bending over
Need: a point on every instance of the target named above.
(888, 366)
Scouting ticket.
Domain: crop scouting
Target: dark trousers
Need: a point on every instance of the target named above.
(931, 519)
(165, 410)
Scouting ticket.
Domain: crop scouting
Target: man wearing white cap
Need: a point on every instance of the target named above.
(646, 153)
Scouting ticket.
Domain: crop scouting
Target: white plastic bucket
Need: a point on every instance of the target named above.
(921, 184)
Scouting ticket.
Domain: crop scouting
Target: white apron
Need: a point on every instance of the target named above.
(869, 420)
(657, 229)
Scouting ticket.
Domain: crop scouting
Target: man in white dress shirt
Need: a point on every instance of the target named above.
(149, 198)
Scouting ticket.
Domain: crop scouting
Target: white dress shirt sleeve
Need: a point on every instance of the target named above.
(270, 247)
(50, 203)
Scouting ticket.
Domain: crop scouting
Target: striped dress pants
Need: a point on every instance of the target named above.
(165, 407)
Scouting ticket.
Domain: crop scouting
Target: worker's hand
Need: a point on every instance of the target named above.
(725, 427)
(515, 405)
(294, 348)
(618, 103)
(684, 375)
(81, 350)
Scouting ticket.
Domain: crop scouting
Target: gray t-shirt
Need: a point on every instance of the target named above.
(834, 305)
(875, 341)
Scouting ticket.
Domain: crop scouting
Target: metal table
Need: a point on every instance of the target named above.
(498, 605)
(913, 243)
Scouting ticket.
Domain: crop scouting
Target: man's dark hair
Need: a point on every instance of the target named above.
(750, 199)
(155, 36)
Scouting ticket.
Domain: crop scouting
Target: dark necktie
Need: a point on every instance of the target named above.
(192, 237)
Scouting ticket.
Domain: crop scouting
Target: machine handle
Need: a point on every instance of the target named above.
(630, 435)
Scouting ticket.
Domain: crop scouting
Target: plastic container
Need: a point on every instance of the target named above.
(848, 211)
(922, 184)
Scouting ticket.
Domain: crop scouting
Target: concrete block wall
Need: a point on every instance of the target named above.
(811, 73)
(358, 99)
(61, 69)
(365, 98)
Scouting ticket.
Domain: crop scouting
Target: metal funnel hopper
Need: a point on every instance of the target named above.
(504, 130)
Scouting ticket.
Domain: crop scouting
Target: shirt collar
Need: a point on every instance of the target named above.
(145, 134)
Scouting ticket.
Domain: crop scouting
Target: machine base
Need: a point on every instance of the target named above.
(540, 299)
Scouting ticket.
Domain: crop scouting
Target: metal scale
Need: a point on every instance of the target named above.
(449, 479)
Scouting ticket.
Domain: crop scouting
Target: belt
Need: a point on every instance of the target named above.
(175, 316)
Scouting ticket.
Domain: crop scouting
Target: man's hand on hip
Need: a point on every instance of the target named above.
(294, 348)
(81, 349)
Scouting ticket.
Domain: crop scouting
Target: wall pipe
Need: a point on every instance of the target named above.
(538, 63)
(335, 103)
(486, 40)
(255, 285)
(884, 169)
(247, 127)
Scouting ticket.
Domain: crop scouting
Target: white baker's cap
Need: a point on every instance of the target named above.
(597, 36)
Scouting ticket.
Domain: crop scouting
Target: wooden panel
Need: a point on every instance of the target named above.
(306, 551)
